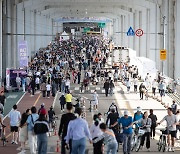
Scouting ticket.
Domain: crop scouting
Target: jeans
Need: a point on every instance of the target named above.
(42, 141)
(112, 147)
(127, 143)
(32, 140)
(79, 146)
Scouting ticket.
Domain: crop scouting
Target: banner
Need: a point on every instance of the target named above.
(23, 54)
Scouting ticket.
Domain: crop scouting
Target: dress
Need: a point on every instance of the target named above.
(23, 134)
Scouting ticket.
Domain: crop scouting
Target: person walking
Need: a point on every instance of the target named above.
(41, 127)
(95, 133)
(174, 107)
(108, 138)
(48, 89)
(43, 89)
(23, 133)
(68, 97)
(154, 87)
(171, 121)
(95, 100)
(78, 131)
(32, 138)
(146, 125)
(142, 89)
(65, 119)
(106, 87)
(153, 118)
(111, 87)
(62, 101)
(15, 118)
(126, 121)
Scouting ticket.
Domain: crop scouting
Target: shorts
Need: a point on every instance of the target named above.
(14, 129)
(173, 133)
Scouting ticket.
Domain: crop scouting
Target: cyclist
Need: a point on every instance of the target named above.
(51, 115)
(171, 121)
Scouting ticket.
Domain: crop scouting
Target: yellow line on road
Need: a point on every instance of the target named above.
(33, 105)
(37, 100)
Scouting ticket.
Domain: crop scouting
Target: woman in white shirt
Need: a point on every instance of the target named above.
(95, 100)
(48, 89)
(95, 133)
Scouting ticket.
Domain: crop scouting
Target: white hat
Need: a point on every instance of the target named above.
(126, 112)
(139, 109)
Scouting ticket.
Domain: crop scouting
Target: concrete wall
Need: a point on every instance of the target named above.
(23, 24)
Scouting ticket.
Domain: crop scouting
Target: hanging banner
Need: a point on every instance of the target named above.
(23, 54)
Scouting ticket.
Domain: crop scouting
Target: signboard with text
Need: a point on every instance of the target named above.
(163, 54)
(23, 54)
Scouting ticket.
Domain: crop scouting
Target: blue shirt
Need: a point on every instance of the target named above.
(138, 117)
(77, 129)
(125, 123)
(29, 121)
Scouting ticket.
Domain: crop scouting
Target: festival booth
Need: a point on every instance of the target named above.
(11, 75)
(64, 36)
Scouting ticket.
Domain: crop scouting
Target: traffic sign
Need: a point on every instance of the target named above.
(130, 32)
(139, 32)
(163, 54)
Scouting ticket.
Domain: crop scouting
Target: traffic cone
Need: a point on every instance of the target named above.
(55, 132)
(57, 147)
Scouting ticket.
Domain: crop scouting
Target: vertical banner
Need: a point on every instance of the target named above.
(23, 54)
(7, 78)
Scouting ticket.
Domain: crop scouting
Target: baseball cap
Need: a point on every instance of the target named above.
(126, 112)
(43, 112)
(139, 109)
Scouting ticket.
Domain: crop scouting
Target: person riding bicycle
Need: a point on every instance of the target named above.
(171, 121)
(51, 115)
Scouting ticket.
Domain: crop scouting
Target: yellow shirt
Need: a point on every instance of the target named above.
(68, 98)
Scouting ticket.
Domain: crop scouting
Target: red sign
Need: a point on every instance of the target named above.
(139, 32)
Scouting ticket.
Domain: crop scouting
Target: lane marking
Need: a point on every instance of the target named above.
(37, 100)
(18, 103)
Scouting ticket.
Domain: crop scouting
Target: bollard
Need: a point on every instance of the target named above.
(55, 132)
(57, 147)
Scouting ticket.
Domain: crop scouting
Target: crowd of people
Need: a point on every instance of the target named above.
(83, 62)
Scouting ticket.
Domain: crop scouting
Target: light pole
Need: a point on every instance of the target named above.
(164, 42)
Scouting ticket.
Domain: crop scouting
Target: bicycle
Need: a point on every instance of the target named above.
(136, 140)
(162, 143)
(3, 136)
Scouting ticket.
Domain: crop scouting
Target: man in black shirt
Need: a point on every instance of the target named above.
(65, 119)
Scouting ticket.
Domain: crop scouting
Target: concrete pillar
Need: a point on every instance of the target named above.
(0, 41)
(142, 45)
(158, 37)
(147, 33)
(177, 39)
(130, 23)
(170, 39)
(136, 26)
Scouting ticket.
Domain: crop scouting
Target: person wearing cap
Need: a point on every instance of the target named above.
(41, 127)
(138, 115)
(126, 121)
